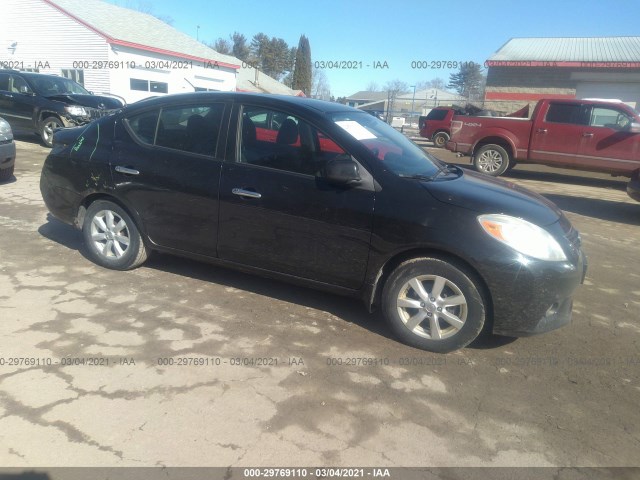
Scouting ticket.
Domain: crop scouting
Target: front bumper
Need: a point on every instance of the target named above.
(7, 154)
(532, 296)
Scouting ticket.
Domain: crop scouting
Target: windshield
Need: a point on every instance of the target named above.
(396, 151)
(49, 86)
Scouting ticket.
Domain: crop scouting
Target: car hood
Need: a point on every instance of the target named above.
(485, 194)
(94, 101)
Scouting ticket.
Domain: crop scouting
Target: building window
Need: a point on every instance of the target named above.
(141, 85)
(148, 86)
(159, 87)
(75, 75)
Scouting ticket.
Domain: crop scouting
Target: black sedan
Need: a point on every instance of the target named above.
(322, 195)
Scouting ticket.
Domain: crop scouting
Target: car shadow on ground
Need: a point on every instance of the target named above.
(27, 137)
(348, 309)
(620, 212)
(619, 183)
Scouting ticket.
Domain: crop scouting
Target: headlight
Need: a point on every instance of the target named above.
(76, 110)
(523, 236)
(5, 128)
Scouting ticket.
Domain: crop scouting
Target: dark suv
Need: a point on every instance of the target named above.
(41, 103)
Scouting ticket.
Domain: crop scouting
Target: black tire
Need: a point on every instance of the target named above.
(6, 174)
(97, 234)
(46, 129)
(440, 139)
(491, 159)
(458, 282)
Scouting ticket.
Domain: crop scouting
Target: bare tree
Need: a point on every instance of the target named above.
(393, 89)
(373, 87)
(220, 45)
(433, 83)
(320, 85)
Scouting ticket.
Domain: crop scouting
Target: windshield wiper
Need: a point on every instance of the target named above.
(418, 176)
(428, 178)
(448, 168)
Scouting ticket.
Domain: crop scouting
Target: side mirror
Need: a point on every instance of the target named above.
(634, 127)
(342, 171)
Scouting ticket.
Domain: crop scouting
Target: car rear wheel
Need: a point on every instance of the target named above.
(492, 160)
(440, 139)
(434, 304)
(111, 237)
(47, 127)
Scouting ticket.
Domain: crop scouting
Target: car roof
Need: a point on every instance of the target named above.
(30, 74)
(301, 103)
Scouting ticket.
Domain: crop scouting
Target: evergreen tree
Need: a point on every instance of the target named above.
(302, 69)
(469, 81)
(240, 49)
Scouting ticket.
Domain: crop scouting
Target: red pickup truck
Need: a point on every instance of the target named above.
(592, 135)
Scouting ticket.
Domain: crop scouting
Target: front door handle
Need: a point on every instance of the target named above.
(127, 171)
(586, 134)
(241, 192)
(541, 130)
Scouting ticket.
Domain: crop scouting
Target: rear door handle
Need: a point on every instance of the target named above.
(241, 192)
(541, 130)
(127, 171)
(586, 134)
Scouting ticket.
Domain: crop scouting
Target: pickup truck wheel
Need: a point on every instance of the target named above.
(440, 139)
(47, 126)
(492, 160)
(433, 304)
(111, 237)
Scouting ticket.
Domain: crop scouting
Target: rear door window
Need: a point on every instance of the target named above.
(188, 128)
(565, 113)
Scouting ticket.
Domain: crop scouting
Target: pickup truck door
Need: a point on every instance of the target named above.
(607, 143)
(557, 133)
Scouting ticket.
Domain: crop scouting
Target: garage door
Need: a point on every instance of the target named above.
(627, 92)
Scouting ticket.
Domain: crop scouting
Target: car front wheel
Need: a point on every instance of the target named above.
(111, 237)
(47, 127)
(433, 304)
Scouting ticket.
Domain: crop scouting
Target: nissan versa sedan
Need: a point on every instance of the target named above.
(323, 195)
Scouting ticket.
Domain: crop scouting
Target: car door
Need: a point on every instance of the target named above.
(16, 101)
(276, 212)
(607, 142)
(556, 136)
(167, 168)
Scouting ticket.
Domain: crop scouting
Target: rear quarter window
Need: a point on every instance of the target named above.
(143, 126)
(437, 114)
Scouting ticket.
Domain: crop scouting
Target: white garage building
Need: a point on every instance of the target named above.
(109, 49)
(525, 70)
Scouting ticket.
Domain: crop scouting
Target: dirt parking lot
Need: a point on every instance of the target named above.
(179, 363)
